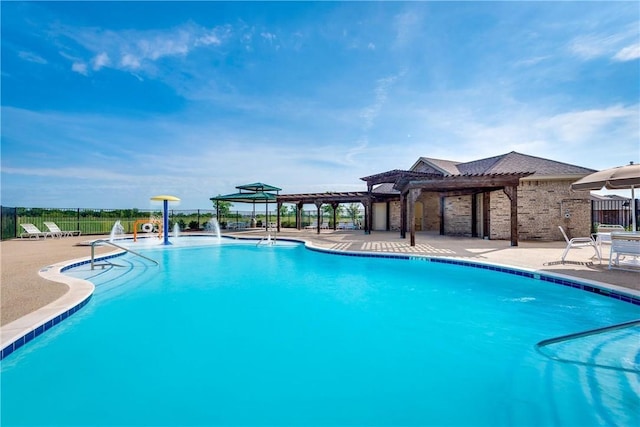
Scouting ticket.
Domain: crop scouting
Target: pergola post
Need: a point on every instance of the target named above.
(443, 200)
(318, 217)
(486, 215)
(413, 196)
(299, 207)
(403, 215)
(512, 194)
(334, 205)
(367, 210)
(367, 216)
(278, 206)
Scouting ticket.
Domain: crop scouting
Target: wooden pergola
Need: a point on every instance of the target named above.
(412, 184)
(319, 199)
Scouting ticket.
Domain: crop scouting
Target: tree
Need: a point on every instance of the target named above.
(222, 208)
(327, 209)
(353, 210)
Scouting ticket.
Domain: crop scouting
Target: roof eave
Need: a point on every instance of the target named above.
(563, 177)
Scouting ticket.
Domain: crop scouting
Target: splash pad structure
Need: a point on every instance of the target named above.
(165, 214)
(151, 223)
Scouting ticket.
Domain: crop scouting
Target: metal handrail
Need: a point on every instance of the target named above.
(268, 237)
(93, 248)
(587, 333)
(539, 346)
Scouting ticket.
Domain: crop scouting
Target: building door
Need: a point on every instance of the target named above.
(379, 216)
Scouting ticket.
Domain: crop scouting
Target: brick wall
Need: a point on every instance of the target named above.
(457, 216)
(431, 211)
(394, 216)
(542, 207)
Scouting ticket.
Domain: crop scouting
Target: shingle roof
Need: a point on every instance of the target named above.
(512, 162)
(386, 188)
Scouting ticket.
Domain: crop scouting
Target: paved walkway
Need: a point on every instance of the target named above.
(22, 289)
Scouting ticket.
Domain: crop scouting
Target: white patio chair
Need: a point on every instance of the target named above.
(57, 232)
(578, 242)
(603, 234)
(31, 231)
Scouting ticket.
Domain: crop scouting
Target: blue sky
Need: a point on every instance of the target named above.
(107, 104)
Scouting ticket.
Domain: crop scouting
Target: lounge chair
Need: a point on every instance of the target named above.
(578, 242)
(312, 226)
(236, 225)
(57, 232)
(31, 231)
(346, 226)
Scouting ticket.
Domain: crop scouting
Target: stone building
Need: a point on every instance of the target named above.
(512, 196)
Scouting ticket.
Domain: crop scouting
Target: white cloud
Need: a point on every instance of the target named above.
(129, 61)
(628, 53)
(208, 38)
(31, 57)
(270, 37)
(576, 127)
(621, 45)
(157, 47)
(138, 50)
(381, 90)
(407, 27)
(101, 60)
(595, 138)
(79, 67)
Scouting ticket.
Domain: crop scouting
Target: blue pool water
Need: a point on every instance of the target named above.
(244, 335)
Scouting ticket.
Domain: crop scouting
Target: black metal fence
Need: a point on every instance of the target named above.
(615, 211)
(101, 221)
(93, 221)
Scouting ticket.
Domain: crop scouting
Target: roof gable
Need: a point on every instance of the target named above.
(439, 166)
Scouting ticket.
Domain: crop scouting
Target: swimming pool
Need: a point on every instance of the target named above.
(242, 335)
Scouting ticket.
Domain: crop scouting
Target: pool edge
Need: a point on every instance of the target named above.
(601, 288)
(19, 332)
(22, 330)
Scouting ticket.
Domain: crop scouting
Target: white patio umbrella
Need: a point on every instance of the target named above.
(621, 177)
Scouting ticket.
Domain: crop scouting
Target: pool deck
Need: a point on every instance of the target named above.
(24, 291)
